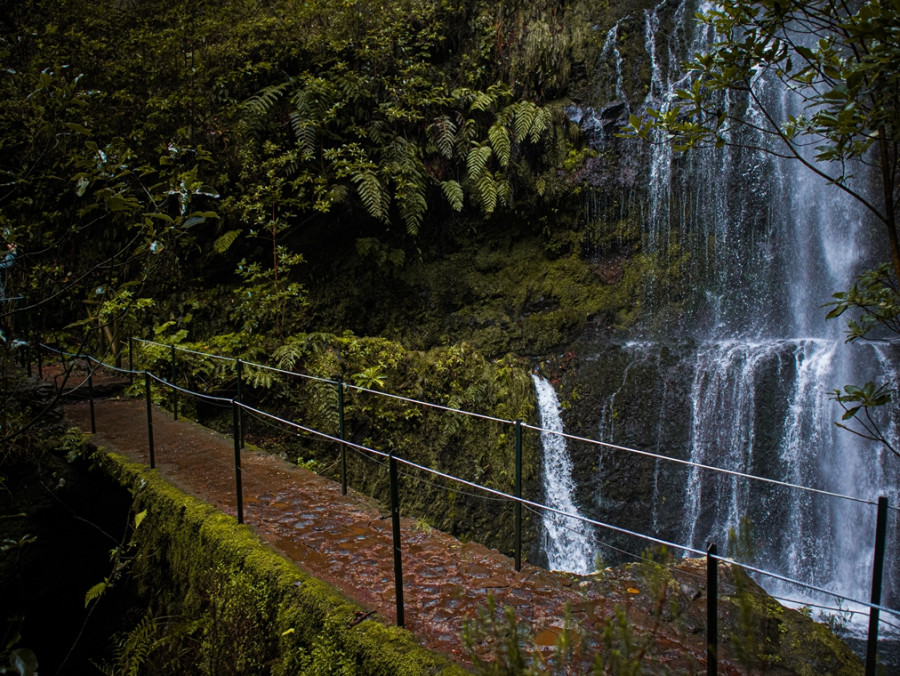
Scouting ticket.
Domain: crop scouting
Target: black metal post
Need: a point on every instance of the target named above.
(28, 340)
(340, 386)
(518, 495)
(148, 396)
(91, 397)
(712, 610)
(877, 574)
(237, 460)
(174, 391)
(239, 368)
(395, 526)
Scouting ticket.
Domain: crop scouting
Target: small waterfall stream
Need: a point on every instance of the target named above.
(567, 542)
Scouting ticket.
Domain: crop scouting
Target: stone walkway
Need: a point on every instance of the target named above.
(347, 541)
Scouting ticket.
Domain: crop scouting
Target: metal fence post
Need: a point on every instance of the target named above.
(877, 574)
(91, 397)
(235, 415)
(340, 391)
(518, 495)
(712, 610)
(174, 391)
(148, 396)
(395, 527)
(239, 369)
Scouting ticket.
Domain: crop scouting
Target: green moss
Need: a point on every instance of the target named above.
(239, 606)
(766, 635)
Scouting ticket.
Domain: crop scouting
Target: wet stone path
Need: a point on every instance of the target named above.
(347, 541)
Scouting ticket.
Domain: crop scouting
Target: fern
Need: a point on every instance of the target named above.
(442, 132)
(406, 165)
(466, 133)
(262, 103)
(454, 193)
(95, 592)
(500, 142)
(483, 101)
(412, 204)
(305, 132)
(477, 160)
(136, 648)
(542, 122)
(487, 193)
(523, 114)
(372, 194)
(224, 242)
(504, 191)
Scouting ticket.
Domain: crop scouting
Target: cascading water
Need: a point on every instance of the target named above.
(567, 542)
(768, 243)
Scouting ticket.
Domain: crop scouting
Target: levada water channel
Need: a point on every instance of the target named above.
(734, 365)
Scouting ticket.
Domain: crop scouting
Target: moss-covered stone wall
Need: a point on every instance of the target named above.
(219, 601)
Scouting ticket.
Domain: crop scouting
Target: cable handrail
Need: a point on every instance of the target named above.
(533, 505)
(351, 386)
(698, 465)
(594, 522)
(596, 442)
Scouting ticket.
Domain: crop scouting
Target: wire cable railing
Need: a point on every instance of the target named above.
(873, 607)
(571, 437)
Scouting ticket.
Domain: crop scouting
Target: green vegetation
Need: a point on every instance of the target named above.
(219, 601)
(157, 154)
(457, 377)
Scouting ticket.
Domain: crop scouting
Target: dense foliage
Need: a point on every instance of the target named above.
(145, 144)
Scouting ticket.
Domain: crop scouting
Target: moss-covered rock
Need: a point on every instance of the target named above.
(219, 601)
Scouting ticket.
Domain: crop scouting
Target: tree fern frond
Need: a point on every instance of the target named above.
(224, 242)
(487, 193)
(442, 133)
(543, 121)
(476, 162)
(467, 131)
(500, 142)
(523, 118)
(482, 101)
(454, 193)
(305, 133)
(372, 194)
(378, 131)
(262, 102)
(339, 193)
(289, 354)
(412, 205)
(405, 164)
(301, 102)
(504, 191)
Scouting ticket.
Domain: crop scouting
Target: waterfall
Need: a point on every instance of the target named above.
(567, 542)
(768, 243)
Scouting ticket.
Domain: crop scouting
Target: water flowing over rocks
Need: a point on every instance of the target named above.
(733, 361)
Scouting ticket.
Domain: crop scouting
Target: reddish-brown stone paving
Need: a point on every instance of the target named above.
(346, 540)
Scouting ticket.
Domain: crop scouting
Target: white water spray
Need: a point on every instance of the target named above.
(768, 244)
(567, 542)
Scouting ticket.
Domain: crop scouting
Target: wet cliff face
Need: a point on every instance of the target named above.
(729, 360)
